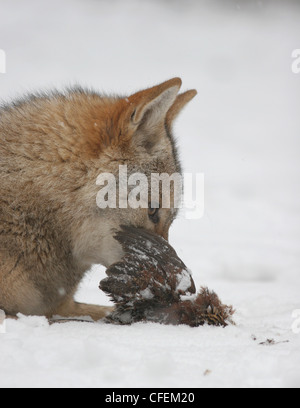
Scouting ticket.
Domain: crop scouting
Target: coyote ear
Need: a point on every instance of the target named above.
(178, 105)
(149, 108)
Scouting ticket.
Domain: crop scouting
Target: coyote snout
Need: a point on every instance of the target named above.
(52, 149)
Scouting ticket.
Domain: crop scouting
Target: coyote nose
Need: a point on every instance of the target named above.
(163, 232)
(165, 235)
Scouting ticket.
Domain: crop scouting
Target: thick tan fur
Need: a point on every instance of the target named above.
(52, 149)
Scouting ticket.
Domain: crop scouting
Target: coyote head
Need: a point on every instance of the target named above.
(136, 132)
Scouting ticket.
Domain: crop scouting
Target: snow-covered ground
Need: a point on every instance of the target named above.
(242, 131)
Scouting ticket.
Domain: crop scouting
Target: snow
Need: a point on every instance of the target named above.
(242, 132)
(146, 294)
(184, 281)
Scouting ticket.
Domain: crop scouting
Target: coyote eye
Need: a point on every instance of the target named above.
(153, 215)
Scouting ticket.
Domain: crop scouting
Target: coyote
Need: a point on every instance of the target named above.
(52, 149)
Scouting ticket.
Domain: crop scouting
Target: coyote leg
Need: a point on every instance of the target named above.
(70, 308)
